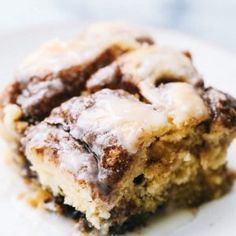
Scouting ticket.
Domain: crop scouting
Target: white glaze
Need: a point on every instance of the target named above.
(180, 100)
(131, 121)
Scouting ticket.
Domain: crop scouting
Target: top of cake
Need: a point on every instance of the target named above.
(59, 70)
(113, 56)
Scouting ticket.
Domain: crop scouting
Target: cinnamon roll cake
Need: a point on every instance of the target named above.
(118, 127)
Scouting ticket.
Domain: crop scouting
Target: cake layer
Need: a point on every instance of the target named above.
(123, 157)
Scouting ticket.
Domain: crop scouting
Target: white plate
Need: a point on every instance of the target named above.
(217, 218)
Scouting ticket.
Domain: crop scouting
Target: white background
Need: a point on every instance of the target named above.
(213, 20)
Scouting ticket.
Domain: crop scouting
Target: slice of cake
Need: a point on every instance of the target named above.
(113, 157)
(141, 131)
